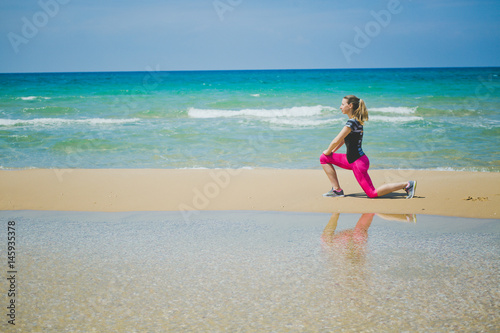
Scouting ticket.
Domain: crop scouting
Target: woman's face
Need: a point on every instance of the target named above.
(345, 108)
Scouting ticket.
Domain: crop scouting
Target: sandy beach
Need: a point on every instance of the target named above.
(448, 193)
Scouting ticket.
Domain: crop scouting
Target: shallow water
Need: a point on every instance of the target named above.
(252, 271)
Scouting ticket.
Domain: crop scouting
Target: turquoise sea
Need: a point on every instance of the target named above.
(425, 118)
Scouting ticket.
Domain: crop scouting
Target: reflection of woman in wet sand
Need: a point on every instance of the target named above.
(352, 242)
(358, 235)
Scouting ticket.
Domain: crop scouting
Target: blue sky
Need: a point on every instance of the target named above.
(124, 35)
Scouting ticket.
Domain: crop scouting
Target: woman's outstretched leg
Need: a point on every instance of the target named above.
(360, 169)
(409, 187)
(389, 188)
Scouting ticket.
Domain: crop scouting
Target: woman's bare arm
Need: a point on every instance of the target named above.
(338, 141)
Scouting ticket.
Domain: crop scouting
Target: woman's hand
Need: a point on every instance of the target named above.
(326, 152)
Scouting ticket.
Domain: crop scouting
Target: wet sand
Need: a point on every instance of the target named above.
(253, 271)
(450, 193)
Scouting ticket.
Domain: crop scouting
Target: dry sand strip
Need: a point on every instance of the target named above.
(450, 193)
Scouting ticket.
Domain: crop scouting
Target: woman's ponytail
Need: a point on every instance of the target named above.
(360, 111)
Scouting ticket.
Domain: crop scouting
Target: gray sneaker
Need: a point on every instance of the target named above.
(333, 193)
(410, 189)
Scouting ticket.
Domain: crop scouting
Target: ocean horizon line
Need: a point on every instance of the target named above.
(249, 70)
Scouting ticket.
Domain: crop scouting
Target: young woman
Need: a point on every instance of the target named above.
(355, 159)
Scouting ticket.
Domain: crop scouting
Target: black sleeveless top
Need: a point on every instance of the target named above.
(353, 140)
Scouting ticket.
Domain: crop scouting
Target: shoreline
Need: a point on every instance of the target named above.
(446, 193)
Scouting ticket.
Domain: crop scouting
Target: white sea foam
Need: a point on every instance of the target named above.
(394, 110)
(296, 111)
(21, 168)
(304, 116)
(61, 121)
(31, 98)
(304, 122)
(388, 119)
(468, 169)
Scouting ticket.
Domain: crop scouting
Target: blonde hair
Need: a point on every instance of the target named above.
(360, 111)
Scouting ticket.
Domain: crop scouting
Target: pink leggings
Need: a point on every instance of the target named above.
(359, 167)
